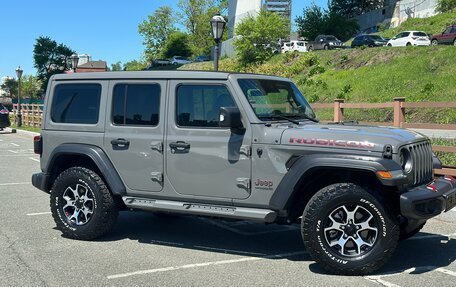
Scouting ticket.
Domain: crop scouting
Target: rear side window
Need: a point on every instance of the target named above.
(136, 104)
(76, 103)
(199, 105)
(419, 34)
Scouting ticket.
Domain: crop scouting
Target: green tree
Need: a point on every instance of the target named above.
(135, 65)
(50, 58)
(10, 86)
(257, 35)
(116, 66)
(155, 30)
(196, 16)
(177, 45)
(312, 22)
(445, 6)
(316, 21)
(30, 87)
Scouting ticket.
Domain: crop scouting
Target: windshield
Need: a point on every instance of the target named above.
(272, 99)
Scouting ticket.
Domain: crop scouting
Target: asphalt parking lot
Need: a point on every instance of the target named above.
(156, 250)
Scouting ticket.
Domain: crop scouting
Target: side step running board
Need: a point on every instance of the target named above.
(244, 213)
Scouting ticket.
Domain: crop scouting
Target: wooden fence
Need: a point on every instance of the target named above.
(31, 114)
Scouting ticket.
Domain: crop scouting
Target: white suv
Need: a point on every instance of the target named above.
(178, 60)
(410, 38)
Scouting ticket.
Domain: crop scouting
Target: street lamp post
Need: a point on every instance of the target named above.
(218, 26)
(74, 61)
(19, 114)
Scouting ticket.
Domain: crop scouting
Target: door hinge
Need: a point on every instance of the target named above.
(158, 146)
(243, 182)
(246, 150)
(156, 176)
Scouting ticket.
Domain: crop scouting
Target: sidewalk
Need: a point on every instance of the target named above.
(446, 134)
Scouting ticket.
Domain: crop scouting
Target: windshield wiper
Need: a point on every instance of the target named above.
(309, 118)
(281, 117)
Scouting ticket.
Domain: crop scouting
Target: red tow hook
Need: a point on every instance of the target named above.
(450, 179)
(431, 187)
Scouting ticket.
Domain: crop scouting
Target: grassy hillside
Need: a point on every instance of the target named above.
(432, 25)
(367, 75)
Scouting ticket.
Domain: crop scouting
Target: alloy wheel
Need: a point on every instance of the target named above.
(351, 230)
(79, 205)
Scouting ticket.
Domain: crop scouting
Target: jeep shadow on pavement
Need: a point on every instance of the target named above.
(237, 146)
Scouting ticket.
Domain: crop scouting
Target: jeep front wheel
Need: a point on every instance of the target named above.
(81, 204)
(348, 230)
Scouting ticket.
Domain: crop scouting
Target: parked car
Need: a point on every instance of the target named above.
(202, 59)
(178, 60)
(218, 145)
(299, 46)
(325, 42)
(448, 36)
(4, 117)
(369, 41)
(409, 38)
(161, 62)
(286, 47)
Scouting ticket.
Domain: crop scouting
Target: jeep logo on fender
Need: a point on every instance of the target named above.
(337, 143)
(263, 184)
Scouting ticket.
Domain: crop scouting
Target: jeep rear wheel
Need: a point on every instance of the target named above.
(81, 204)
(348, 230)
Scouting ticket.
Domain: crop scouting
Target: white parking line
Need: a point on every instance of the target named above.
(14, 144)
(34, 159)
(229, 250)
(446, 271)
(204, 264)
(14, 183)
(417, 270)
(13, 151)
(38, 213)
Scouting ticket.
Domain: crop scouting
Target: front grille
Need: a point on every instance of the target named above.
(422, 166)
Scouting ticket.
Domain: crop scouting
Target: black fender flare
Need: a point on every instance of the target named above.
(100, 159)
(303, 164)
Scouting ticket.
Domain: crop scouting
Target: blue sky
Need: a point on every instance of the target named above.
(105, 29)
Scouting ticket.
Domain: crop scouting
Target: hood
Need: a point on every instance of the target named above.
(360, 137)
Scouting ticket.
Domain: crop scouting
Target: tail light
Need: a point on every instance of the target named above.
(38, 144)
(414, 38)
(4, 111)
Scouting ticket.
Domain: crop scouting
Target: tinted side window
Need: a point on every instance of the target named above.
(199, 105)
(136, 104)
(76, 103)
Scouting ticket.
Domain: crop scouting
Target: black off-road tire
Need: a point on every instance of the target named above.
(406, 235)
(317, 214)
(326, 47)
(434, 42)
(104, 208)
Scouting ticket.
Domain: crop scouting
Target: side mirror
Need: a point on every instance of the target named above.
(230, 117)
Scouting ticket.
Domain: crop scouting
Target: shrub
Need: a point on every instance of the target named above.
(445, 6)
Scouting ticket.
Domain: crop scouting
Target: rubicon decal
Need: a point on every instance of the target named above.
(329, 142)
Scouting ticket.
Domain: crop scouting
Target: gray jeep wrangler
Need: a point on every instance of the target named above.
(238, 146)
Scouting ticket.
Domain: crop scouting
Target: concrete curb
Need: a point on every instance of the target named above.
(19, 131)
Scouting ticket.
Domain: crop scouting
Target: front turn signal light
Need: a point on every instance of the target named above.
(384, 174)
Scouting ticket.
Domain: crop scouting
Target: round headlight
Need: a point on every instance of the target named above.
(405, 160)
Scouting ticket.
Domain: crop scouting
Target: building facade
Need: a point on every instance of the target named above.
(394, 13)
